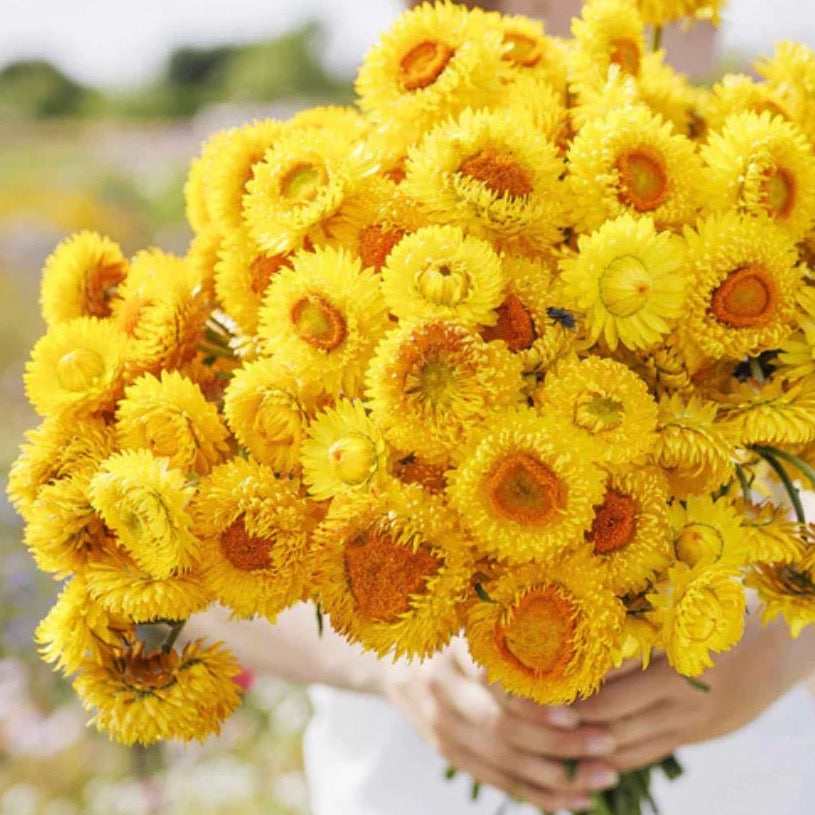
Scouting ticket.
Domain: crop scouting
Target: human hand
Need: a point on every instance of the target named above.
(514, 745)
(651, 713)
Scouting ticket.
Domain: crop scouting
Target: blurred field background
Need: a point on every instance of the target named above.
(105, 145)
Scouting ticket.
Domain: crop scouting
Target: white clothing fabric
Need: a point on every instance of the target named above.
(362, 758)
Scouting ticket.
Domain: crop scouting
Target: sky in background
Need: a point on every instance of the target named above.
(124, 42)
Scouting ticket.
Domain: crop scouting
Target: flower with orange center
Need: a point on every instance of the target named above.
(140, 696)
(608, 32)
(300, 185)
(431, 385)
(242, 275)
(439, 272)
(524, 318)
(700, 609)
(629, 534)
(744, 278)
(526, 488)
(256, 531)
(605, 403)
(690, 449)
(629, 279)
(391, 569)
(632, 161)
(81, 278)
(550, 631)
(762, 165)
(434, 62)
(324, 317)
(344, 452)
(77, 367)
(268, 408)
(493, 174)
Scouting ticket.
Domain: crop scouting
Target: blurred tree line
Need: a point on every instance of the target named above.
(286, 67)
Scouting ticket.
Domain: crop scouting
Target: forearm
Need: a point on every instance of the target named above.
(293, 649)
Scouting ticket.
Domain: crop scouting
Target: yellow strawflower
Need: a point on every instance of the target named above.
(605, 403)
(784, 592)
(391, 569)
(707, 531)
(144, 501)
(140, 696)
(660, 12)
(526, 488)
(76, 367)
(430, 386)
(324, 318)
(493, 174)
(81, 278)
(344, 452)
(256, 532)
(550, 632)
(700, 610)
(629, 280)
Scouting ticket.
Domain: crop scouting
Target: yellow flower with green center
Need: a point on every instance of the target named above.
(81, 278)
(430, 386)
(140, 696)
(762, 165)
(744, 277)
(526, 488)
(629, 280)
(344, 451)
(76, 367)
(324, 317)
(550, 632)
(605, 403)
(144, 501)
(171, 417)
(439, 272)
(392, 569)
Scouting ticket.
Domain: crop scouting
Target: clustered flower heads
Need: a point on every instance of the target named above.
(511, 348)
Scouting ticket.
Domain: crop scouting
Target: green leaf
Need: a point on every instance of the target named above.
(450, 772)
(475, 790)
(482, 594)
(671, 767)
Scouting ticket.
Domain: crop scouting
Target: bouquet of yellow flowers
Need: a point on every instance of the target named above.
(521, 346)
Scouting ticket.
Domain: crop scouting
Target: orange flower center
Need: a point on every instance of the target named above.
(498, 171)
(643, 178)
(146, 672)
(80, 369)
(626, 54)
(746, 299)
(397, 172)
(514, 325)
(384, 575)
(263, 269)
(375, 244)
(615, 523)
(413, 470)
(423, 64)
(319, 322)
(301, 183)
(778, 192)
(129, 313)
(522, 50)
(538, 634)
(523, 489)
(244, 551)
(101, 283)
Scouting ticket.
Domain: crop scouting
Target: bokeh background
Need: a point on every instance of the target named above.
(102, 105)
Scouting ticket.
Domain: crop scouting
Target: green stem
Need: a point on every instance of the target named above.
(215, 350)
(746, 492)
(755, 369)
(796, 462)
(319, 610)
(175, 630)
(793, 493)
(656, 41)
